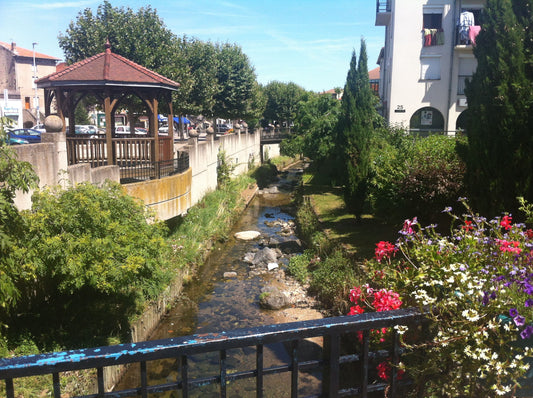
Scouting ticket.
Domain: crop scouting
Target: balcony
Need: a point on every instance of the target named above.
(383, 12)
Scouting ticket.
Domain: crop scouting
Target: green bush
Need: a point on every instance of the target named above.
(95, 260)
(297, 266)
(332, 279)
(415, 176)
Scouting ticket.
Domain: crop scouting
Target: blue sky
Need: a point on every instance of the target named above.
(308, 42)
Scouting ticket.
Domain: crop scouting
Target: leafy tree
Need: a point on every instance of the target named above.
(236, 81)
(355, 132)
(282, 101)
(198, 81)
(499, 154)
(14, 175)
(316, 120)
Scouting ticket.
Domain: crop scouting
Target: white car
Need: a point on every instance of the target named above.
(39, 127)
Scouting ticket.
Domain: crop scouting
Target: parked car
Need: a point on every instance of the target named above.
(223, 128)
(15, 141)
(39, 127)
(86, 129)
(122, 129)
(141, 131)
(30, 135)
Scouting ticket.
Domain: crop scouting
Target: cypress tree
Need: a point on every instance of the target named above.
(498, 169)
(356, 127)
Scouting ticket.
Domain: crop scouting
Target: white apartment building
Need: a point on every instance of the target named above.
(426, 60)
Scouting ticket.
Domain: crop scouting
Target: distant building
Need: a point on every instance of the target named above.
(18, 97)
(374, 78)
(334, 93)
(426, 60)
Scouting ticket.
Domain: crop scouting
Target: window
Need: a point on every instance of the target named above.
(467, 67)
(432, 21)
(430, 68)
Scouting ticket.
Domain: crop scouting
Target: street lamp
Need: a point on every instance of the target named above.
(35, 97)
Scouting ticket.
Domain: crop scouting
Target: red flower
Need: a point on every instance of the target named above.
(384, 250)
(356, 310)
(386, 300)
(509, 246)
(384, 371)
(529, 233)
(355, 294)
(506, 222)
(468, 226)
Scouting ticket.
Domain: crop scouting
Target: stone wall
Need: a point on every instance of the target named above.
(49, 161)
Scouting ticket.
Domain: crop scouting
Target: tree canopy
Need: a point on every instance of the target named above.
(499, 154)
(282, 101)
(355, 132)
(215, 79)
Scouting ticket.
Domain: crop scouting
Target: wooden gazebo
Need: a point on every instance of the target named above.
(111, 78)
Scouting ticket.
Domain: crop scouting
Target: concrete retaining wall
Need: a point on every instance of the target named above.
(242, 150)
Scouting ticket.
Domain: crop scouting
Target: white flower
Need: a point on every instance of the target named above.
(401, 329)
(471, 315)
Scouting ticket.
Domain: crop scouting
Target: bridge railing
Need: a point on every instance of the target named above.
(180, 349)
(276, 135)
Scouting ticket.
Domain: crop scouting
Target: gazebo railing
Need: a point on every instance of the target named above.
(127, 151)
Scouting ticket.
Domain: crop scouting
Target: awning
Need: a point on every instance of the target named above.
(183, 119)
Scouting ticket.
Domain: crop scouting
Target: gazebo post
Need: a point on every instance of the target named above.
(111, 160)
(155, 148)
(171, 118)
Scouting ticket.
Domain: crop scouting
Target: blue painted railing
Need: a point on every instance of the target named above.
(180, 348)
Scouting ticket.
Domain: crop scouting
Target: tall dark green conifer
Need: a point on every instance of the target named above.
(355, 132)
(498, 162)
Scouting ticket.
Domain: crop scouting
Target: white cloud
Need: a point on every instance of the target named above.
(67, 4)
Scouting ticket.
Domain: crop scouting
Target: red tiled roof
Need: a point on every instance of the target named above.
(107, 68)
(23, 52)
(374, 74)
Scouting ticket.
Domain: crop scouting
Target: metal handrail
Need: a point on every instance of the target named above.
(331, 329)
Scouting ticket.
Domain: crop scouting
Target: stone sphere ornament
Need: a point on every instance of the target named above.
(53, 124)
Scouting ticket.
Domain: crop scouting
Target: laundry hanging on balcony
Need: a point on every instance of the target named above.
(472, 33)
(433, 37)
(466, 20)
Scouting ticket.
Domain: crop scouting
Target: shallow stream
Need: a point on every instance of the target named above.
(215, 302)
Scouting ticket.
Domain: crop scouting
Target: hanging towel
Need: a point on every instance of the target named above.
(439, 38)
(473, 32)
(427, 37)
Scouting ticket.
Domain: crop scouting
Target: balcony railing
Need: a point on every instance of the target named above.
(382, 6)
(334, 358)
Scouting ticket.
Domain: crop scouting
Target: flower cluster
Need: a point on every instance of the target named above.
(376, 300)
(385, 249)
(366, 298)
(476, 284)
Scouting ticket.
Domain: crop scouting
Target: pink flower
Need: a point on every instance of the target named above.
(408, 226)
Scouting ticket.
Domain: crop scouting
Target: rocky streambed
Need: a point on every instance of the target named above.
(244, 284)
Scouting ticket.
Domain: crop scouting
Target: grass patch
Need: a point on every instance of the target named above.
(356, 237)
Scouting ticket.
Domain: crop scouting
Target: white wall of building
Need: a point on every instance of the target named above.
(415, 76)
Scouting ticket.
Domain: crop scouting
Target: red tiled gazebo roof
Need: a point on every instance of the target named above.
(107, 69)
